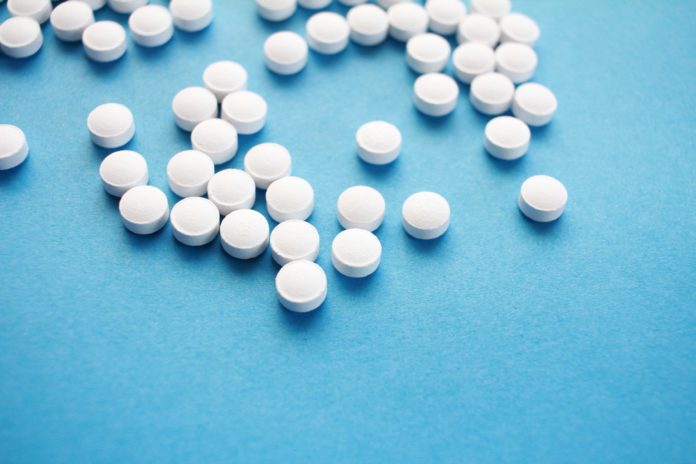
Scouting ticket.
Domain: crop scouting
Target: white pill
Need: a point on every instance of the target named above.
(70, 19)
(496, 9)
(426, 215)
(378, 142)
(406, 20)
(445, 15)
(352, 2)
(144, 209)
(192, 106)
(216, 138)
(387, 3)
(195, 221)
(516, 27)
(191, 15)
(289, 198)
(224, 77)
(123, 170)
(478, 28)
(126, 6)
(244, 234)
(301, 286)
(427, 53)
(13, 146)
(294, 240)
(327, 33)
(356, 253)
(40, 10)
(361, 207)
(104, 41)
(472, 59)
(94, 4)
(542, 198)
(188, 173)
(285, 52)
(435, 94)
(266, 163)
(517, 61)
(276, 10)
(246, 111)
(534, 104)
(232, 189)
(151, 25)
(314, 4)
(506, 138)
(111, 125)
(20, 37)
(492, 93)
(369, 25)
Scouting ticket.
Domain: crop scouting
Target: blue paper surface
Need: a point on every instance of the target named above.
(504, 341)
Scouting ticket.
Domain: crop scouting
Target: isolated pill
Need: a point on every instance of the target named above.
(70, 19)
(426, 215)
(39, 10)
(378, 142)
(195, 221)
(406, 20)
(472, 59)
(123, 170)
(224, 77)
(111, 125)
(516, 27)
(314, 4)
(478, 28)
(192, 106)
(245, 110)
(216, 138)
(445, 15)
(144, 209)
(288, 198)
(231, 189)
(301, 286)
(534, 104)
(13, 146)
(285, 53)
(542, 198)
(506, 138)
(517, 61)
(496, 9)
(266, 163)
(294, 240)
(188, 173)
(191, 15)
(151, 25)
(327, 33)
(276, 10)
(491, 93)
(356, 253)
(126, 6)
(361, 207)
(20, 37)
(104, 41)
(435, 94)
(244, 233)
(427, 53)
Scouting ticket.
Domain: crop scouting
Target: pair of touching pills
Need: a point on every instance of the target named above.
(193, 105)
(266, 163)
(188, 173)
(195, 221)
(288, 198)
(144, 209)
(123, 170)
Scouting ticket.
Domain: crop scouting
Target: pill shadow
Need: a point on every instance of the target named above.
(143, 243)
(548, 229)
(352, 284)
(15, 176)
(154, 55)
(196, 254)
(300, 322)
(379, 172)
(110, 69)
(193, 38)
(426, 246)
(20, 65)
(282, 80)
(245, 267)
(504, 166)
(435, 123)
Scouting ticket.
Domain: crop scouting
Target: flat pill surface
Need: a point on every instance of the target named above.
(435, 94)
(232, 189)
(378, 142)
(406, 20)
(496, 9)
(39, 10)
(361, 207)
(195, 221)
(356, 253)
(285, 52)
(123, 170)
(520, 28)
(111, 125)
(70, 19)
(144, 209)
(224, 77)
(246, 111)
(517, 61)
(13, 146)
(94, 4)
(542, 198)
(478, 28)
(301, 286)
(327, 33)
(276, 10)
(427, 53)
(472, 59)
(293, 240)
(216, 138)
(188, 173)
(151, 25)
(192, 106)
(491, 93)
(534, 104)
(126, 6)
(314, 4)
(104, 41)
(244, 233)
(368, 24)
(20, 37)
(266, 163)
(445, 15)
(191, 15)
(506, 138)
(426, 215)
(289, 198)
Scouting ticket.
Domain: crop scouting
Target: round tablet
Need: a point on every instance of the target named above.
(20, 37)
(289, 198)
(427, 53)
(506, 138)
(232, 189)
(361, 207)
(517, 61)
(276, 10)
(534, 104)
(224, 77)
(496, 9)
(266, 163)
(144, 209)
(435, 94)
(314, 4)
(378, 142)
(244, 233)
(516, 27)
(111, 125)
(151, 25)
(94, 4)
(542, 198)
(406, 20)
(70, 19)
(191, 15)
(387, 3)
(351, 2)
(472, 59)
(13, 146)
(104, 41)
(216, 138)
(426, 215)
(126, 6)
(478, 28)
(246, 111)
(123, 170)
(301, 286)
(192, 106)
(356, 253)
(368, 24)
(293, 240)
(445, 15)
(285, 52)
(327, 33)
(195, 221)
(40, 10)
(188, 173)
(491, 93)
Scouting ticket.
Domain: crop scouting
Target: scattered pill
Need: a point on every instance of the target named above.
(13, 146)
(327, 33)
(126, 6)
(276, 10)
(427, 53)
(151, 25)
(294, 240)
(123, 170)
(289, 198)
(361, 207)
(94, 4)
(517, 61)
(104, 41)
(111, 125)
(368, 24)
(387, 3)
(266, 163)
(195, 221)
(20, 37)
(285, 52)
(314, 4)
(244, 234)
(491, 93)
(472, 59)
(70, 19)
(216, 138)
(246, 111)
(478, 28)
(378, 142)
(506, 138)
(356, 253)
(224, 77)
(232, 189)
(435, 94)
(496, 9)
(542, 198)
(191, 15)
(192, 106)
(301, 286)
(406, 20)
(516, 27)
(351, 2)
(534, 104)
(144, 209)
(445, 15)
(40, 10)
(426, 215)
(188, 173)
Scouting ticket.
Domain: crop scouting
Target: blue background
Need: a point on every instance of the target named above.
(505, 341)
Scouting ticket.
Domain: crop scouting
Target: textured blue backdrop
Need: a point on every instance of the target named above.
(505, 341)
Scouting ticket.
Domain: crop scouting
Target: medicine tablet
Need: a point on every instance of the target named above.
(123, 170)
(285, 53)
(492, 93)
(435, 94)
(191, 15)
(426, 215)
(244, 234)
(352, 2)
(368, 24)
(104, 41)
(361, 207)
(216, 138)
(472, 59)
(192, 106)
(517, 61)
(314, 4)
(276, 10)
(301, 286)
(378, 142)
(188, 173)
(445, 15)
(232, 189)
(542, 198)
(70, 19)
(111, 125)
(246, 111)
(478, 28)
(151, 25)
(20, 37)
(195, 221)
(516, 27)
(266, 163)
(496, 9)
(224, 77)
(40, 10)
(387, 3)
(534, 104)
(406, 20)
(13, 146)
(356, 253)
(144, 209)
(289, 198)
(327, 33)
(294, 240)
(126, 6)
(506, 138)
(94, 4)
(427, 53)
